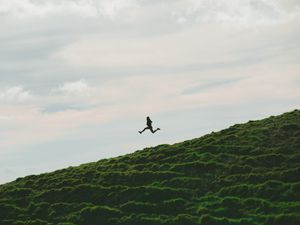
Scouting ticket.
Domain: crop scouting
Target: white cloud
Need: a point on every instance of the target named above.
(80, 87)
(15, 94)
(246, 12)
(91, 8)
(208, 45)
(189, 47)
(111, 8)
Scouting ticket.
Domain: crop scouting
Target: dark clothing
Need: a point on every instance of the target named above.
(149, 122)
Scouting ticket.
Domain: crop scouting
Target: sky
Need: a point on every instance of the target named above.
(79, 77)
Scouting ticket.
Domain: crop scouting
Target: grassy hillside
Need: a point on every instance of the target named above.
(246, 174)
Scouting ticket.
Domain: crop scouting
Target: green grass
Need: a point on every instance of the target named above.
(248, 174)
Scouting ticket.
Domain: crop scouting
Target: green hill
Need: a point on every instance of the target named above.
(246, 174)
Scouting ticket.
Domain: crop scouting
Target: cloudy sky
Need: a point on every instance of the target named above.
(78, 77)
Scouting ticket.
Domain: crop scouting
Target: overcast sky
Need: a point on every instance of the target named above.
(79, 77)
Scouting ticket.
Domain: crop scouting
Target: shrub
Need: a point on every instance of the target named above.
(289, 219)
(98, 215)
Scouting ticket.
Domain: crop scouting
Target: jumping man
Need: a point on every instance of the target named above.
(149, 126)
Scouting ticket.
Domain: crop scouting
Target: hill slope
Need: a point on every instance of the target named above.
(246, 174)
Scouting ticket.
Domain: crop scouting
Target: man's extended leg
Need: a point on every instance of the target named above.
(156, 130)
(153, 131)
(143, 130)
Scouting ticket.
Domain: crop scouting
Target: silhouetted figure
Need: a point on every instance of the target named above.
(149, 126)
